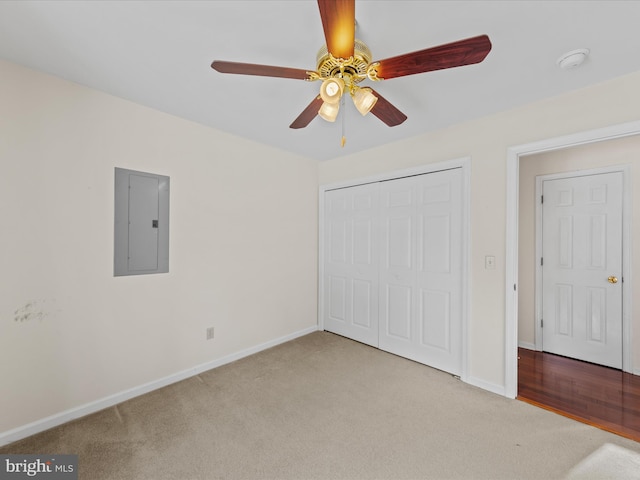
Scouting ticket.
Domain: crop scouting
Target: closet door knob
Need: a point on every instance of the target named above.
(612, 279)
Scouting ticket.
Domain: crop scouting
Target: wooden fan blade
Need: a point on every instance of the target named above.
(261, 70)
(307, 114)
(386, 112)
(339, 24)
(456, 54)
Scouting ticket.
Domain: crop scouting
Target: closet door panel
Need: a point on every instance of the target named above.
(393, 266)
(398, 264)
(432, 279)
(351, 263)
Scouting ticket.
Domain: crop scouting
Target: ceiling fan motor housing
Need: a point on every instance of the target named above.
(355, 68)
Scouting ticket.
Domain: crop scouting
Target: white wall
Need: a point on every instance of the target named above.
(243, 247)
(243, 236)
(621, 151)
(486, 141)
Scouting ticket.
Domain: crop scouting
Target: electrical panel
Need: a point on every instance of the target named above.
(141, 233)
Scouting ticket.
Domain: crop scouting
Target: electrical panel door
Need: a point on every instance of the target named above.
(141, 241)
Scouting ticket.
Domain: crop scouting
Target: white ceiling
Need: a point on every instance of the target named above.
(158, 54)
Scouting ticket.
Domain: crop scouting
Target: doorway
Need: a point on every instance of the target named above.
(518, 289)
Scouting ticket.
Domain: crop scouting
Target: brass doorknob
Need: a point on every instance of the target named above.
(613, 279)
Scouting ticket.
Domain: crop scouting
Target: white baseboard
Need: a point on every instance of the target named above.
(492, 387)
(92, 407)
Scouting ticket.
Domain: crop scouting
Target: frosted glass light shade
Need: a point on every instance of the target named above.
(329, 111)
(331, 90)
(364, 100)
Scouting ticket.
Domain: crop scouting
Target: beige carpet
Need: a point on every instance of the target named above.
(608, 462)
(324, 407)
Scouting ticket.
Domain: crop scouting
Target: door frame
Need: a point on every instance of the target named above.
(462, 163)
(626, 264)
(511, 255)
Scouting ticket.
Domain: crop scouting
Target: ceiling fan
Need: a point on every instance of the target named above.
(346, 61)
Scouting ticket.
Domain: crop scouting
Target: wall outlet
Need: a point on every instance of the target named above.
(210, 333)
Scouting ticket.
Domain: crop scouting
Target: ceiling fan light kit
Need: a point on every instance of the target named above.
(345, 61)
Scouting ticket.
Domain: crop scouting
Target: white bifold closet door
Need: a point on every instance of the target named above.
(351, 263)
(393, 266)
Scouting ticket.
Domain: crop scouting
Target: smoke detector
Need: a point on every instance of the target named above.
(573, 59)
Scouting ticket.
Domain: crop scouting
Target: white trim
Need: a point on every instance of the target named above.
(407, 172)
(511, 260)
(627, 274)
(491, 387)
(321, 213)
(627, 345)
(527, 345)
(106, 402)
(463, 163)
(466, 261)
(537, 289)
(511, 278)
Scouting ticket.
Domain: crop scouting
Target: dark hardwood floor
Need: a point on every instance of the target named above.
(593, 394)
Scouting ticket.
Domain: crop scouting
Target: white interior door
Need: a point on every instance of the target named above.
(582, 267)
(393, 266)
(421, 269)
(351, 263)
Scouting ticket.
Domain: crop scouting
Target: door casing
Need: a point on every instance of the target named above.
(511, 254)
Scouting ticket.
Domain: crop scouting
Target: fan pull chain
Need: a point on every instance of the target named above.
(343, 140)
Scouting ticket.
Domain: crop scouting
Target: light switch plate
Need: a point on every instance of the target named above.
(490, 262)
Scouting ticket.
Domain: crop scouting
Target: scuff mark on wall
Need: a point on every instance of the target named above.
(32, 310)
